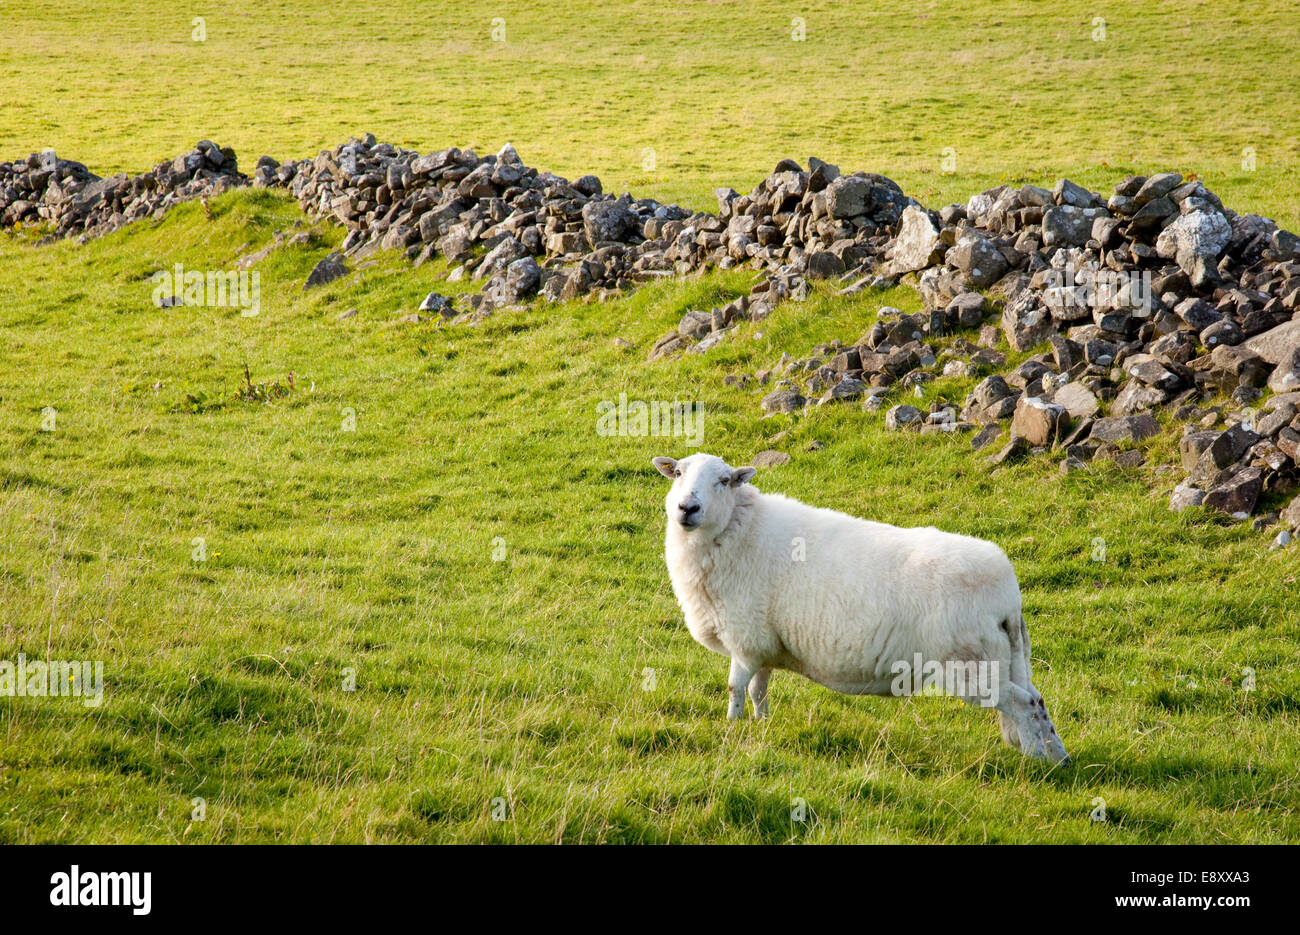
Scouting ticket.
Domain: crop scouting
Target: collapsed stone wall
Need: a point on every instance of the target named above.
(1157, 297)
(544, 234)
(71, 200)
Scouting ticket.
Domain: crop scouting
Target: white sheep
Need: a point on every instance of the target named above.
(857, 606)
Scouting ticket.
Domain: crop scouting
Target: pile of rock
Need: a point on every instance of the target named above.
(795, 226)
(1158, 297)
(44, 189)
(1228, 470)
(522, 231)
(526, 232)
(519, 230)
(819, 222)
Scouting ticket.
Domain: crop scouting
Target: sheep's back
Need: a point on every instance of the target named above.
(849, 594)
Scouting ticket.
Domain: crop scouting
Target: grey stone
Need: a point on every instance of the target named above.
(1184, 496)
(1224, 331)
(967, 310)
(670, 343)
(1230, 446)
(917, 244)
(1066, 225)
(327, 270)
(609, 221)
(1291, 515)
(1152, 371)
(695, 324)
(1012, 451)
(990, 390)
(1079, 401)
(588, 185)
(1194, 444)
(783, 401)
(1276, 344)
(1033, 196)
(1152, 215)
(1135, 397)
(822, 264)
(1039, 422)
(1276, 419)
(980, 259)
(848, 388)
(902, 416)
(1286, 376)
(439, 304)
(1196, 236)
(1157, 186)
(1234, 366)
(523, 277)
(1197, 312)
(848, 196)
(1125, 428)
(499, 257)
(1026, 323)
(1238, 493)
(1068, 193)
(985, 437)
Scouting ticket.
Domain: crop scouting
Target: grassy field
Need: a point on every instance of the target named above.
(453, 623)
(718, 91)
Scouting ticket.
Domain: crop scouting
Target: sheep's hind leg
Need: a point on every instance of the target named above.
(758, 692)
(737, 681)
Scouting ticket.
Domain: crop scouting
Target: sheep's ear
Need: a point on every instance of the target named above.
(742, 476)
(666, 466)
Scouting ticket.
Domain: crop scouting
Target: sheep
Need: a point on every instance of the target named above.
(856, 606)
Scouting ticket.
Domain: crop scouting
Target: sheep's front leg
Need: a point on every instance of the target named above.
(1027, 726)
(1019, 729)
(758, 692)
(737, 682)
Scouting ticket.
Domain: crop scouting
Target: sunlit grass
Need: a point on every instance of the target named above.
(488, 568)
(718, 92)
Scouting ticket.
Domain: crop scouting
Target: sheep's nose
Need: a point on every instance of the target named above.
(688, 509)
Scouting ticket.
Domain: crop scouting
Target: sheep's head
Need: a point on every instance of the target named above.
(704, 491)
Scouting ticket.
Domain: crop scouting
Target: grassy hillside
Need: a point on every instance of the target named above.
(488, 567)
(719, 91)
(429, 603)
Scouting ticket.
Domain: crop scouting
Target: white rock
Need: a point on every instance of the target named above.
(1184, 496)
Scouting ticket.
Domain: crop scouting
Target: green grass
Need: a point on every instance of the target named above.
(720, 91)
(524, 679)
(375, 551)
